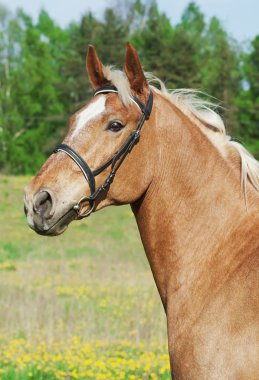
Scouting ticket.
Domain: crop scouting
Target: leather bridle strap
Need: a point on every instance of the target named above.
(87, 172)
(115, 162)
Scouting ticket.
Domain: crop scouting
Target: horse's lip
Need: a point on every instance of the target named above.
(50, 232)
(58, 227)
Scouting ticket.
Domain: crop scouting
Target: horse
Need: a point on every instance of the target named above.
(195, 195)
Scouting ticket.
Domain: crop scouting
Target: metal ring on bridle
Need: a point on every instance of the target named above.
(77, 207)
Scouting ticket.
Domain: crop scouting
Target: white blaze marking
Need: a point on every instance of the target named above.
(89, 113)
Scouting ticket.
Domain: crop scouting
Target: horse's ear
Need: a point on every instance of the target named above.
(133, 70)
(95, 68)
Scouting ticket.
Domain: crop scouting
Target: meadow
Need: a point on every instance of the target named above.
(79, 306)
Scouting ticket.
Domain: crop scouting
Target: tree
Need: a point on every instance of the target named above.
(248, 100)
(76, 87)
(169, 52)
(253, 77)
(43, 77)
(220, 71)
(34, 98)
(113, 37)
(152, 42)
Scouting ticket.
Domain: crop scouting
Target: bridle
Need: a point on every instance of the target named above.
(115, 162)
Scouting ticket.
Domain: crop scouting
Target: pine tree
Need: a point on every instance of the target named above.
(248, 100)
(33, 106)
(220, 72)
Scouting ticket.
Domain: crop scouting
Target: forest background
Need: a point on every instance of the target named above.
(84, 305)
(43, 79)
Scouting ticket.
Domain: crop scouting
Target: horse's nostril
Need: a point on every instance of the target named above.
(42, 203)
(25, 210)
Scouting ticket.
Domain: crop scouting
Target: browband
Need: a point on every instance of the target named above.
(105, 89)
(144, 109)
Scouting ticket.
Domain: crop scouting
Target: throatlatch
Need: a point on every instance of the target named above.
(115, 161)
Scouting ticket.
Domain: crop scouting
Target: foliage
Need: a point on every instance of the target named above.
(43, 79)
(79, 360)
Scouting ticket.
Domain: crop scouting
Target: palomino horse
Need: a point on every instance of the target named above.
(195, 196)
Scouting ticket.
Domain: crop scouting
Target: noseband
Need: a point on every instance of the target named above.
(115, 162)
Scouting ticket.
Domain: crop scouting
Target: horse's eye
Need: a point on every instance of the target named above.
(115, 126)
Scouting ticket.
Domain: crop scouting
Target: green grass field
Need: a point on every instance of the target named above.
(79, 306)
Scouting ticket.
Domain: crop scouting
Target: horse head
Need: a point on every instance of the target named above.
(96, 164)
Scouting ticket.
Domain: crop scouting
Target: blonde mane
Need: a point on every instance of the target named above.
(202, 113)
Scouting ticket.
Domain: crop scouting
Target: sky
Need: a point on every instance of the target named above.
(239, 17)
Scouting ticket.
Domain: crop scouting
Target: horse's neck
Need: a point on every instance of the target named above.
(189, 214)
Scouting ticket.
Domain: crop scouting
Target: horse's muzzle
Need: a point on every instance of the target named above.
(41, 216)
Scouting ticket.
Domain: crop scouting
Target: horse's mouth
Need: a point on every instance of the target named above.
(58, 227)
(54, 230)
